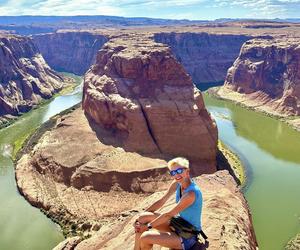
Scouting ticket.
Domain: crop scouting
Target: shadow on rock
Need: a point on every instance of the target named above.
(106, 136)
(200, 246)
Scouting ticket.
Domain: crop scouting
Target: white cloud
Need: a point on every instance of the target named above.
(61, 7)
(289, 1)
(258, 8)
(190, 8)
(97, 7)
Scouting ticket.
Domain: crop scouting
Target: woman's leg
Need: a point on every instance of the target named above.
(165, 239)
(143, 218)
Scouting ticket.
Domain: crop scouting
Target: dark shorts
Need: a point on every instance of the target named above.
(188, 243)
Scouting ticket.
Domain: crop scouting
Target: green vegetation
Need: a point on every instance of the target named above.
(68, 89)
(7, 122)
(234, 162)
(18, 144)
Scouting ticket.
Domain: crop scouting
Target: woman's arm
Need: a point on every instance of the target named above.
(158, 204)
(184, 202)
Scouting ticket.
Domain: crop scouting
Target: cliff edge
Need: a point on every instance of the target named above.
(226, 220)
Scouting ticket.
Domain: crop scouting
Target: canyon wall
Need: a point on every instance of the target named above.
(205, 56)
(71, 51)
(25, 78)
(266, 76)
(138, 89)
(140, 108)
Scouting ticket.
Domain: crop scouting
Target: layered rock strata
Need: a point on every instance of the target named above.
(71, 51)
(226, 220)
(25, 78)
(266, 77)
(205, 56)
(140, 91)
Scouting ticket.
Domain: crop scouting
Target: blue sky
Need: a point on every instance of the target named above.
(174, 9)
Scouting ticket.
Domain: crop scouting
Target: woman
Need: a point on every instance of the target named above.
(189, 207)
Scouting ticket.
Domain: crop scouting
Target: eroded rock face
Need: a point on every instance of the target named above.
(206, 57)
(139, 90)
(25, 78)
(267, 74)
(226, 219)
(71, 51)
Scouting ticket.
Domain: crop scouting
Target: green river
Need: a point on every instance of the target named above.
(23, 226)
(270, 152)
(269, 149)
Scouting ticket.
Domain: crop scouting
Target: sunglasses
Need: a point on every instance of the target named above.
(177, 171)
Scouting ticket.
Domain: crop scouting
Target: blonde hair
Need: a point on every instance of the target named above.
(180, 161)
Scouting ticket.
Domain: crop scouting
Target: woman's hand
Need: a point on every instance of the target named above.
(140, 228)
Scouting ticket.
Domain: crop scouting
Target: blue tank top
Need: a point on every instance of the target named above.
(192, 214)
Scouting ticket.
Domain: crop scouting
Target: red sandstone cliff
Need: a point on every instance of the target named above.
(266, 76)
(71, 51)
(25, 78)
(138, 89)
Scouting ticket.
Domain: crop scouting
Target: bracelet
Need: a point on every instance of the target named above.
(149, 226)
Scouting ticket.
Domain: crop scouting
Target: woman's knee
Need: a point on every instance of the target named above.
(146, 237)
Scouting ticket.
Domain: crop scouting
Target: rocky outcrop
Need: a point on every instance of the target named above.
(205, 56)
(266, 76)
(226, 220)
(25, 78)
(139, 90)
(71, 51)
